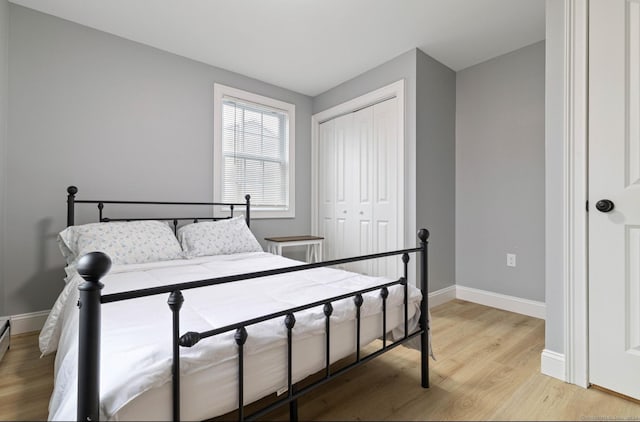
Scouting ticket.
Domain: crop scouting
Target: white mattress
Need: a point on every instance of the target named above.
(136, 335)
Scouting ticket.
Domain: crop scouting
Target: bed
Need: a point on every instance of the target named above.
(192, 336)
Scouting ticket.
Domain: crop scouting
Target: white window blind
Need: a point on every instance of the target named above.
(255, 154)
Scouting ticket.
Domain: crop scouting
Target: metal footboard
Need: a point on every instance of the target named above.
(94, 266)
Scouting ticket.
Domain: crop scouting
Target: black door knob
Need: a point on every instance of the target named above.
(604, 205)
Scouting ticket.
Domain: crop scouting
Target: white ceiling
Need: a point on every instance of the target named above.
(310, 46)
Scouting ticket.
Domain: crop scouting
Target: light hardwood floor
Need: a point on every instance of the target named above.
(487, 368)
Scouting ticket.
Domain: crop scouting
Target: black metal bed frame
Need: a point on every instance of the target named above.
(93, 266)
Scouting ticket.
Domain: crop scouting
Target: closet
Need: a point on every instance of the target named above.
(358, 180)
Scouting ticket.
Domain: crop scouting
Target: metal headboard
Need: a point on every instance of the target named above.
(72, 201)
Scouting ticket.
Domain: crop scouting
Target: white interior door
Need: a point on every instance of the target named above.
(614, 174)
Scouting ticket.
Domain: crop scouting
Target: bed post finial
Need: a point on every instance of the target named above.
(247, 217)
(423, 235)
(91, 267)
(71, 197)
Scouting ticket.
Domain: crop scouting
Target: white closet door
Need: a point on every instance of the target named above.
(362, 163)
(344, 244)
(327, 188)
(358, 182)
(385, 183)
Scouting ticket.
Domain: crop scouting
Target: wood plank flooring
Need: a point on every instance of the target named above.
(487, 368)
(26, 381)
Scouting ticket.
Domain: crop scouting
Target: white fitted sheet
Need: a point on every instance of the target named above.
(136, 348)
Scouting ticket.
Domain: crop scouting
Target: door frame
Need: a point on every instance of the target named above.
(575, 186)
(395, 89)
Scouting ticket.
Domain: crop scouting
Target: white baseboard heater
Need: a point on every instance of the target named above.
(5, 336)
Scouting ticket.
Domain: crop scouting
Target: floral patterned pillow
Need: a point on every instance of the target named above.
(134, 242)
(221, 237)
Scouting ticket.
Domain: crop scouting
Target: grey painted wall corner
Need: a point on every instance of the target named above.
(500, 162)
(436, 165)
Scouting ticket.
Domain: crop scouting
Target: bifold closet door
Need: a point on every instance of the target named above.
(346, 149)
(357, 186)
(327, 187)
(386, 227)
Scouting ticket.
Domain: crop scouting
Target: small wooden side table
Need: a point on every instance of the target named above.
(313, 244)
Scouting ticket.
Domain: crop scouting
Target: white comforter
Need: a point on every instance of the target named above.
(136, 342)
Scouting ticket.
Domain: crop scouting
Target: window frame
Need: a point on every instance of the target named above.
(220, 92)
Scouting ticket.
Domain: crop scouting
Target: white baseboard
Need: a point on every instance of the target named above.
(552, 364)
(508, 303)
(26, 323)
(442, 296)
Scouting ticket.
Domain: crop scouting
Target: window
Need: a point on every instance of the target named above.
(254, 152)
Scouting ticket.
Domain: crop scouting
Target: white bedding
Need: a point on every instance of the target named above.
(136, 334)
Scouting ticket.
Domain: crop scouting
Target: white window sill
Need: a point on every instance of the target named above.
(257, 214)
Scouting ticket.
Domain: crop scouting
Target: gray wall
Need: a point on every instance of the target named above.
(4, 106)
(435, 167)
(554, 158)
(500, 175)
(119, 120)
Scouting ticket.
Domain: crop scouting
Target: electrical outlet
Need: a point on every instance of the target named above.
(511, 260)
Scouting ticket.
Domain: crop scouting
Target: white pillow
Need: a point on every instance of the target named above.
(221, 237)
(133, 242)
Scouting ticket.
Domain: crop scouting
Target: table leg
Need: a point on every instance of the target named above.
(314, 252)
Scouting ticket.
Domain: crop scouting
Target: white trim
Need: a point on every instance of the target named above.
(553, 364)
(575, 167)
(315, 132)
(219, 92)
(29, 322)
(396, 90)
(442, 296)
(518, 305)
